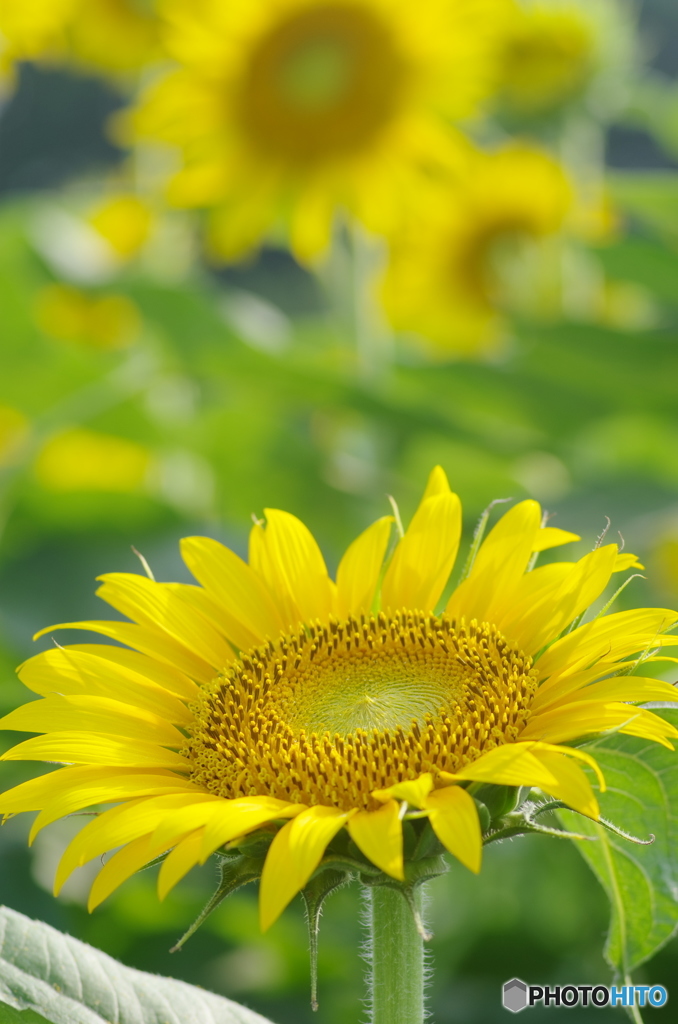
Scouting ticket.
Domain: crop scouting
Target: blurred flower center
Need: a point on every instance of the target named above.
(331, 714)
(548, 58)
(480, 261)
(322, 83)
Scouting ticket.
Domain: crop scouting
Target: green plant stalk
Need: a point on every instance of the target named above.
(396, 958)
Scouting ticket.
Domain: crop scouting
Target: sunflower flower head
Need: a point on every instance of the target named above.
(284, 111)
(283, 719)
(452, 270)
(557, 53)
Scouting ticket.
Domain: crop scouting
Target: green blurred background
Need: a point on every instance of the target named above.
(235, 392)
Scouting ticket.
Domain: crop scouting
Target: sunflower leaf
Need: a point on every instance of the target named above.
(59, 979)
(641, 881)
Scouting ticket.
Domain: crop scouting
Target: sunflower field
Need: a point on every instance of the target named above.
(338, 511)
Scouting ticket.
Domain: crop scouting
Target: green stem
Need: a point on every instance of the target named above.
(397, 958)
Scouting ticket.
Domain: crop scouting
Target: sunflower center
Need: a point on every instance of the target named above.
(331, 714)
(322, 83)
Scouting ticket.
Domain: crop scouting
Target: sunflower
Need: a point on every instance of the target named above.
(446, 279)
(113, 36)
(558, 52)
(285, 110)
(30, 29)
(269, 695)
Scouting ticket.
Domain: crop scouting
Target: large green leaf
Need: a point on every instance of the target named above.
(640, 881)
(69, 982)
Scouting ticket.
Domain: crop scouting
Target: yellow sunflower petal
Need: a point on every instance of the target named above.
(622, 688)
(179, 862)
(590, 718)
(513, 764)
(552, 537)
(175, 826)
(142, 666)
(293, 856)
(289, 561)
(233, 584)
(225, 624)
(360, 568)
(73, 795)
(581, 586)
(67, 671)
(454, 819)
(37, 793)
(625, 561)
(117, 827)
(79, 748)
(157, 606)
(379, 835)
(616, 635)
(92, 714)
(424, 557)
(437, 483)
(572, 786)
(414, 792)
(500, 563)
(118, 869)
(235, 818)
(148, 641)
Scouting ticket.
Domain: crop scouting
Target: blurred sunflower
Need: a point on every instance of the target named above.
(445, 279)
(286, 110)
(30, 29)
(112, 36)
(269, 695)
(554, 50)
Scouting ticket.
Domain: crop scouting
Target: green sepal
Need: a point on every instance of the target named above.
(499, 800)
(428, 844)
(235, 872)
(314, 895)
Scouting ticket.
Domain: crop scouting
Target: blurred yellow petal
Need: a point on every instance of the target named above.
(360, 568)
(125, 222)
(379, 835)
(78, 783)
(454, 819)
(14, 431)
(293, 856)
(82, 460)
(626, 561)
(552, 537)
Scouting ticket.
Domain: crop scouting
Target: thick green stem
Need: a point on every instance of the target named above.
(397, 958)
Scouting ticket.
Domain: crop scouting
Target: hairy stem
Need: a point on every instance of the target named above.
(397, 958)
